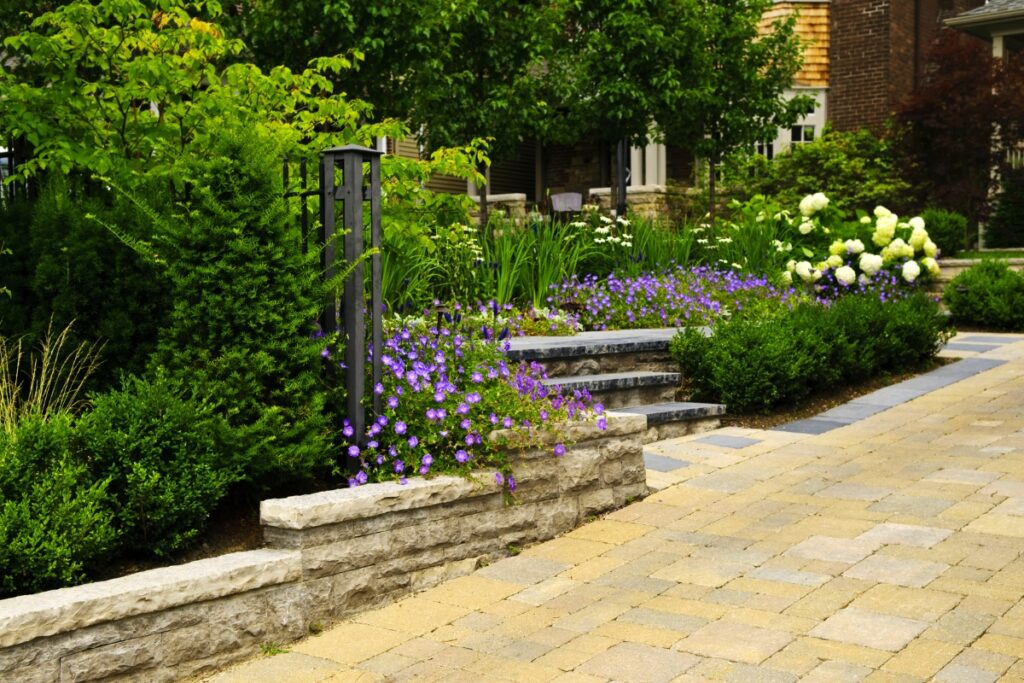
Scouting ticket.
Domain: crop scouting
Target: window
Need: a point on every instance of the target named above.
(766, 149)
(801, 134)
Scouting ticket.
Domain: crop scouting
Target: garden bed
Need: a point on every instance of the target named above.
(329, 554)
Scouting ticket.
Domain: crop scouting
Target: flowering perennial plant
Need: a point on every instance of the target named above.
(861, 254)
(675, 298)
(445, 389)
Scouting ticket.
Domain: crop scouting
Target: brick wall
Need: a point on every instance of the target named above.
(878, 54)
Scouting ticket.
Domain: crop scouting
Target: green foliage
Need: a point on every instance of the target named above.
(54, 521)
(753, 238)
(245, 299)
(948, 229)
(857, 169)
(621, 65)
(166, 460)
(946, 127)
(1006, 228)
(988, 295)
(45, 381)
(69, 268)
(753, 364)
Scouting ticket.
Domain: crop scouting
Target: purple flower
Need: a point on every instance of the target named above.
(413, 441)
(427, 459)
(498, 479)
(378, 388)
(347, 430)
(507, 423)
(602, 423)
(559, 450)
(463, 409)
(400, 428)
(472, 397)
(399, 467)
(511, 483)
(353, 451)
(392, 402)
(361, 477)
(466, 424)
(461, 456)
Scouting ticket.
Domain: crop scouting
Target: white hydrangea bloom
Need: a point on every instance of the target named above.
(791, 266)
(863, 279)
(881, 211)
(834, 261)
(806, 227)
(917, 223)
(846, 275)
(931, 265)
(866, 220)
(787, 277)
(917, 238)
(930, 249)
(911, 270)
(870, 263)
(887, 222)
(882, 237)
(854, 246)
(837, 247)
(805, 271)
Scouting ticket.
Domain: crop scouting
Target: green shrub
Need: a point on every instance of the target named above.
(751, 365)
(245, 300)
(912, 331)
(948, 229)
(65, 266)
(987, 295)
(854, 166)
(755, 364)
(54, 521)
(165, 459)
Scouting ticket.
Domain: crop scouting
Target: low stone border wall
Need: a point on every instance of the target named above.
(949, 268)
(329, 554)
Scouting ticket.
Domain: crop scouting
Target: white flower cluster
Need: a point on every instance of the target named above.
(813, 203)
(904, 245)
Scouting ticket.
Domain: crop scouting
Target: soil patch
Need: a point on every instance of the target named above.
(825, 400)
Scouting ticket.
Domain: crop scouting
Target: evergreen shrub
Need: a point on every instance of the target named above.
(987, 295)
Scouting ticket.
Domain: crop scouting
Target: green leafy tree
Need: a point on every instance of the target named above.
(744, 75)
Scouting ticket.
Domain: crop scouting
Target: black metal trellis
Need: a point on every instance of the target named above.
(343, 177)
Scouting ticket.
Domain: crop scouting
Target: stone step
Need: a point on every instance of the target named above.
(676, 418)
(596, 353)
(617, 389)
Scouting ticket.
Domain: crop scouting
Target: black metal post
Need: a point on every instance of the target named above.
(329, 316)
(353, 315)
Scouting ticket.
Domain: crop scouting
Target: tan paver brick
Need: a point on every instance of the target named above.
(736, 642)
(922, 658)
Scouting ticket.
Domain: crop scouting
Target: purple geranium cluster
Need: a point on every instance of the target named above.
(675, 298)
(885, 284)
(446, 387)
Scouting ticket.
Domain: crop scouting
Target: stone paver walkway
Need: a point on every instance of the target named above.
(885, 548)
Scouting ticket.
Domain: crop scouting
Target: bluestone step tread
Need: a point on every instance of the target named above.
(590, 344)
(675, 411)
(616, 380)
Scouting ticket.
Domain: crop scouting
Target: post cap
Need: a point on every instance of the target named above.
(348, 149)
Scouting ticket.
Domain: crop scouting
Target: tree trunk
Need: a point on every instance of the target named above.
(483, 190)
(712, 165)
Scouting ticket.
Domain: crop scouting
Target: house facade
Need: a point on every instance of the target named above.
(861, 58)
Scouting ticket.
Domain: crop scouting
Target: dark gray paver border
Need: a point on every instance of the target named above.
(663, 463)
(727, 441)
(889, 397)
